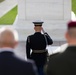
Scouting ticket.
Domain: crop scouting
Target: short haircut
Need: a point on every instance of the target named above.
(15, 33)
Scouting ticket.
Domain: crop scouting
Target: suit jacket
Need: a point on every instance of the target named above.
(12, 65)
(64, 63)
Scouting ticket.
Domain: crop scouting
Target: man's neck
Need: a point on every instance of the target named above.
(38, 31)
(72, 44)
(5, 46)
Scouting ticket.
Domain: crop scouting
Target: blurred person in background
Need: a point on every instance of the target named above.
(64, 63)
(10, 64)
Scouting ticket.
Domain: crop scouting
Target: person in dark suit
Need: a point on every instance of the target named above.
(37, 43)
(65, 63)
(10, 64)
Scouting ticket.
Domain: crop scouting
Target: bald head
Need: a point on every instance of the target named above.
(7, 38)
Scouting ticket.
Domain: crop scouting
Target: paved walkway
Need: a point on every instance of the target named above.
(7, 5)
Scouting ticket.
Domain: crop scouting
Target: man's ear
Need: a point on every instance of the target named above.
(67, 36)
(34, 28)
(41, 28)
(16, 43)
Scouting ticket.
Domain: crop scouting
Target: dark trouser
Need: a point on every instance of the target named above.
(41, 71)
(40, 61)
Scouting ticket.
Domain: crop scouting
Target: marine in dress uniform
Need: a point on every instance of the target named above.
(37, 43)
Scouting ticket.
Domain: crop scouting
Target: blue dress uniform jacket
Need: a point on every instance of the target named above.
(37, 42)
(11, 65)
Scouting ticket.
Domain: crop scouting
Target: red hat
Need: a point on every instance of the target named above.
(71, 24)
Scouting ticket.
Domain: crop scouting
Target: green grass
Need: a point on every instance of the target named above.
(74, 6)
(9, 17)
(1, 1)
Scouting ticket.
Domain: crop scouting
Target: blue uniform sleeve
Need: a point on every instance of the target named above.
(28, 47)
(49, 40)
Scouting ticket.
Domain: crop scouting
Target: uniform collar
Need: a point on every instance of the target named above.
(37, 32)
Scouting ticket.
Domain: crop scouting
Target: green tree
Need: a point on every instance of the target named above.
(74, 6)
